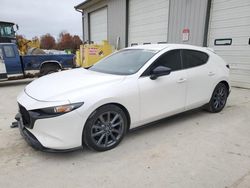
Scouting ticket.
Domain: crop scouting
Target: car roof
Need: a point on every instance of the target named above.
(159, 47)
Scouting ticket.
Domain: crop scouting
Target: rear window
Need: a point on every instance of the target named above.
(193, 58)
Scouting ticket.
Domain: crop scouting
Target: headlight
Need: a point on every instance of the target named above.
(58, 110)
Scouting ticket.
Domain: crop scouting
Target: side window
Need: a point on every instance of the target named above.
(171, 59)
(193, 58)
(1, 53)
(9, 52)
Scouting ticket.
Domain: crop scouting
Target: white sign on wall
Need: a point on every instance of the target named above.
(185, 34)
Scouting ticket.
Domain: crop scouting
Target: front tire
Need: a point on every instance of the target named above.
(218, 99)
(105, 128)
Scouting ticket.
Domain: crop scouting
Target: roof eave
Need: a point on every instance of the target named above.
(82, 5)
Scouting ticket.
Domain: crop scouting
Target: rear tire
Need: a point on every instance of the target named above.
(105, 128)
(218, 99)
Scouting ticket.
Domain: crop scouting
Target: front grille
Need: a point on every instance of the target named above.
(25, 116)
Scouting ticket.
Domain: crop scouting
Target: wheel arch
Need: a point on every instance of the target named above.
(226, 84)
(83, 138)
(51, 62)
(122, 107)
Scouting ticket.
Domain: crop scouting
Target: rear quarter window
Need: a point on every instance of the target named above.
(193, 58)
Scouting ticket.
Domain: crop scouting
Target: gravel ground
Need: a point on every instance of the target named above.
(193, 149)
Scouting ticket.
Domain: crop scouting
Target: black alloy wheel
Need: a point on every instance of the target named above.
(105, 128)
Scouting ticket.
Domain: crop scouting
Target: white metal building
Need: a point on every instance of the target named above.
(230, 20)
(223, 25)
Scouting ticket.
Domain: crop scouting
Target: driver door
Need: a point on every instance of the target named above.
(3, 72)
(165, 95)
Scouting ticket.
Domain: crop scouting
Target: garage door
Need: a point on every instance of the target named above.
(229, 35)
(98, 25)
(148, 21)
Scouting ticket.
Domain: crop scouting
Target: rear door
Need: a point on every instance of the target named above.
(200, 77)
(3, 72)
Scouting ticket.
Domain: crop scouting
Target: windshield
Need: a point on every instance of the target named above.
(6, 30)
(124, 62)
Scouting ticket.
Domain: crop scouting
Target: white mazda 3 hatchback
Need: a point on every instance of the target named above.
(132, 87)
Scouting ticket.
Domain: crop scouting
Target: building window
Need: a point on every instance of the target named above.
(223, 42)
(134, 44)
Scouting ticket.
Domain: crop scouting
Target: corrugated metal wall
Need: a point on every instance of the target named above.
(87, 11)
(231, 20)
(147, 21)
(116, 20)
(189, 14)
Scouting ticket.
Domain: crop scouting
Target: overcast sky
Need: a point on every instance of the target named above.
(38, 17)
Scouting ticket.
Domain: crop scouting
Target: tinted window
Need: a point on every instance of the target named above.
(171, 59)
(124, 62)
(9, 52)
(192, 58)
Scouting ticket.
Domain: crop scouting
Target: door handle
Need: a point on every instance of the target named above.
(211, 73)
(181, 80)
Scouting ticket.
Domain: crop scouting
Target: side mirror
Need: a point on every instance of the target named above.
(17, 27)
(159, 71)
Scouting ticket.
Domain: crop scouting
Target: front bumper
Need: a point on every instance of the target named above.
(33, 141)
(60, 133)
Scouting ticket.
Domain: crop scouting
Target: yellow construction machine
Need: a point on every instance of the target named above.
(24, 45)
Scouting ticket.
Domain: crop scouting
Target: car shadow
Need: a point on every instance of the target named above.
(144, 129)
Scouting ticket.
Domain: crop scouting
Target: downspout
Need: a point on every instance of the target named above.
(81, 11)
(126, 29)
(209, 2)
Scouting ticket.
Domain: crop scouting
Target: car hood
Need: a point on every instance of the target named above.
(57, 86)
